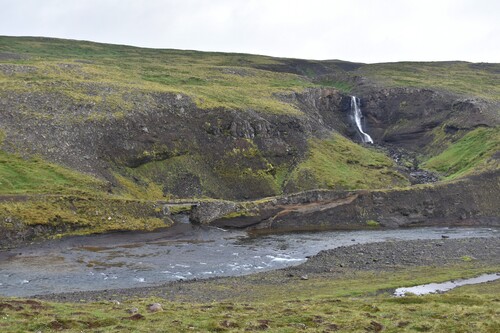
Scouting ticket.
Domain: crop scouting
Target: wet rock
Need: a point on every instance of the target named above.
(155, 307)
(408, 116)
(207, 212)
(229, 324)
(242, 129)
(375, 327)
(408, 253)
(133, 310)
(136, 316)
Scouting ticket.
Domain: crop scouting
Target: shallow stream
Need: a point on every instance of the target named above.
(185, 251)
(432, 288)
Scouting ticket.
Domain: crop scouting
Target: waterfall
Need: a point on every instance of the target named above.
(357, 119)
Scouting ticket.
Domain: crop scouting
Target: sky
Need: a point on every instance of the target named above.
(355, 30)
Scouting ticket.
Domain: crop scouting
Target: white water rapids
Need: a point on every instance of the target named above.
(357, 119)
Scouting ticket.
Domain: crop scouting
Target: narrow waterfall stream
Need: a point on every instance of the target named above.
(357, 119)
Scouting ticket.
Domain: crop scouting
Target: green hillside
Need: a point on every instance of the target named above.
(124, 123)
(211, 79)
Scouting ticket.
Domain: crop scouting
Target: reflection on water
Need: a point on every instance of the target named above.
(123, 260)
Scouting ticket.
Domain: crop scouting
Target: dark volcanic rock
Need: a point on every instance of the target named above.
(423, 177)
(465, 202)
(471, 201)
(407, 116)
(99, 138)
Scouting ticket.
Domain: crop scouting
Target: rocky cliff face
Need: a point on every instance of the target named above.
(463, 203)
(223, 153)
(228, 147)
(421, 119)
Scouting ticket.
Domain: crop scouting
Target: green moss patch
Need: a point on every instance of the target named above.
(372, 223)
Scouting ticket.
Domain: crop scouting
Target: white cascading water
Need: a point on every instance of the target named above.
(357, 118)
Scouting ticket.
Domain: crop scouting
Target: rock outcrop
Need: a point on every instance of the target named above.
(471, 201)
(410, 117)
(223, 143)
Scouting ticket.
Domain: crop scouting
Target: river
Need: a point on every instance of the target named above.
(185, 251)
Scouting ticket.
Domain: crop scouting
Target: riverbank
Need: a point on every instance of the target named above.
(185, 251)
(348, 289)
(445, 256)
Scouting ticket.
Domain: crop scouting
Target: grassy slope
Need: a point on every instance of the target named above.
(107, 75)
(211, 79)
(34, 175)
(469, 79)
(338, 163)
(472, 153)
(230, 170)
(320, 304)
(40, 193)
(78, 69)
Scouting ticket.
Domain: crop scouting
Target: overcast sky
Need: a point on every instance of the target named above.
(354, 30)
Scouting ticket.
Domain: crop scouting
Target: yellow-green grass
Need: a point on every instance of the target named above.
(34, 192)
(347, 304)
(481, 80)
(34, 175)
(169, 173)
(338, 163)
(472, 153)
(210, 79)
(63, 215)
(129, 189)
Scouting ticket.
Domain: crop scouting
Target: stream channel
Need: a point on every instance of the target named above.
(184, 251)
